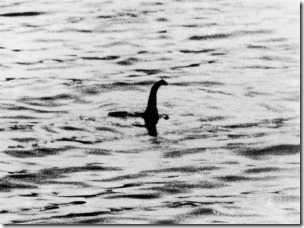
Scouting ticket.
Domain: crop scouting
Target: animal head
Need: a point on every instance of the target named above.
(162, 82)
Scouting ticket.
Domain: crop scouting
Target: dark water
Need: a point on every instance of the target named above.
(230, 152)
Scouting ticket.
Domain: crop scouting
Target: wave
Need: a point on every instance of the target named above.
(22, 14)
(276, 150)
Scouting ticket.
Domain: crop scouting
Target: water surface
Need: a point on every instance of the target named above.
(230, 152)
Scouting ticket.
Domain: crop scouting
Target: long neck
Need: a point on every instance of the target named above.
(152, 98)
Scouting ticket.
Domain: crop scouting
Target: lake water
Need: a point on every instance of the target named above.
(230, 151)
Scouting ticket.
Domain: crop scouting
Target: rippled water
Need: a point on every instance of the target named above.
(230, 152)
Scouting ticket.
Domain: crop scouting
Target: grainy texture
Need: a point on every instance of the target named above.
(229, 152)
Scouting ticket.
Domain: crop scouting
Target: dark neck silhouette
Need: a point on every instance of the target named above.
(151, 116)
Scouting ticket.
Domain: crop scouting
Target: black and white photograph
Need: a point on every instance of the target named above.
(150, 112)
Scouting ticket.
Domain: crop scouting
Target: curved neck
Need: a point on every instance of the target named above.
(152, 98)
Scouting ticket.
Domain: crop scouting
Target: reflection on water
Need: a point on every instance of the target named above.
(230, 152)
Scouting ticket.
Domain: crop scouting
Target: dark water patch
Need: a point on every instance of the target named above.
(191, 65)
(180, 153)
(35, 152)
(106, 129)
(88, 168)
(227, 35)
(30, 25)
(197, 136)
(162, 19)
(271, 123)
(50, 207)
(130, 185)
(151, 3)
(18, 172)
(203, 211)
(163, 31)
(21, 14)
(26, 128)
(207, 37)
(191, 25)
(124, 114)
(46, 176)
(75, 30)
(214, 91)
(7, 185)
(15, 147)
(76, 80)
(244, 125)
(250, 46)
(69, 128)
(121, 209)
(185, 169)
(236, 136)
(102, 220)
(198, 83)
(4, 211)
(212, 118)
(248, 193)
(136, 196)
(142, 52)
(33, 194)
(220, 196)
(218, 53)
(199, 25)
(19, 117)
(134, 76)
(196, 51)
(73, 139)
(99, 152)
(88, 196)
(57, 205)
(262, 170)
(105, 16)
(169, 189)
(10, 79)
(126, 177)
(128, 15)
(74, 20)
(110, 57)
(128, 62)
(48, 129)
(24, 108)
(178, 187)
(278, 122)
(164, 37)
(76, 215)
(101, 88)
(41, 61)
(148, 71)
(195, 203)
(164, 222)
(255, 93)
(277, 150)
(263, 67)
(49, 101)
(234, 178)
(230, 163)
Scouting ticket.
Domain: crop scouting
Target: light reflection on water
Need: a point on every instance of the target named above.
(229, 152)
